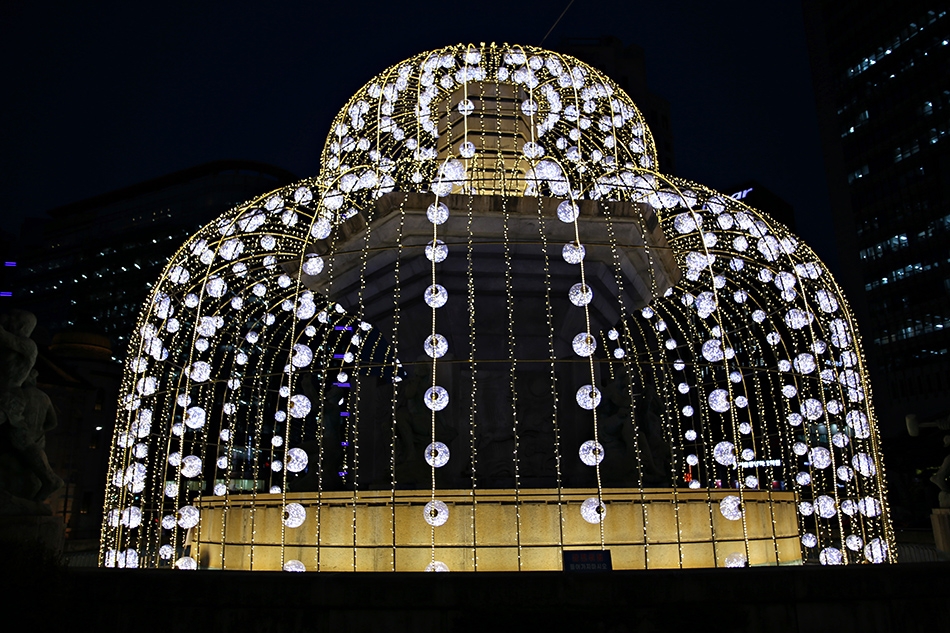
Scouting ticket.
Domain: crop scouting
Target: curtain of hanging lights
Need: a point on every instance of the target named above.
(487, 318)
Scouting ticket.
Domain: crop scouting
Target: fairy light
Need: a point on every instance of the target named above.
(229, 455)
(435, 219)
(551, 127)
(549, 316)
(473, 424)
(626, 359)
(325, 352)
(396, 296)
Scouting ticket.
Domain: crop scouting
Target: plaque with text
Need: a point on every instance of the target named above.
(587, 560)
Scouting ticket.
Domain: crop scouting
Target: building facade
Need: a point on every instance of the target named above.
(90, 264)
(883, 90)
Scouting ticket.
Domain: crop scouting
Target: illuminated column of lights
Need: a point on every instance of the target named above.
(549, 317)
(396, 378)
(334, 358)
(512, 377)
(666, 197)
(326, 355)
(196, 372)
(302, 360)
(588, 396)
(510, 314)
(618, 352)
(359, 330)
(467, 150)
(436, 398)
(632, 361)
(473, 366)
(819, 456)
(749, 376)
(714, 350)
(225, 443)
(621, 355)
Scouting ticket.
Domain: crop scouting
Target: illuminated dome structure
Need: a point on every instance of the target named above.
(489, 331)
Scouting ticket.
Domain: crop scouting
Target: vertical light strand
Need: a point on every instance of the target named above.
(397, 295)
(584, 294)
(331, 245)
(513, 367)
(549, 318)
(733, 400)
(569, 212)
(325, 367)
(357, 370)
(625, 358)
(509, 304)
(473, 365)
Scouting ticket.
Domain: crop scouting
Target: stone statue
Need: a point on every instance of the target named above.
(26, 413)
(941, 478)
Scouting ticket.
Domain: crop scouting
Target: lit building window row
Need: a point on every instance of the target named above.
(938, 225)
(903, 37)
(915, 327)
(902, 153)
(892, 244)
(900, 273)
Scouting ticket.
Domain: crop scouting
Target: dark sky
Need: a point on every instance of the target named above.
(105, 97)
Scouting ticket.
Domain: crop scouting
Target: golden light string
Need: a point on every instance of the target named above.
(733, 414)
(673, 428)
(810, 331)
(324, 357)
(473, 411)
(549, 316)
(685, 324)
(625, 360)
(433, 396)
(229, 453)
(396, 296)
(509, 305)
(354, 408)
(629, 365)
(329, 346)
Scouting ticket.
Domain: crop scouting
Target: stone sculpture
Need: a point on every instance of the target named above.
(26, 414)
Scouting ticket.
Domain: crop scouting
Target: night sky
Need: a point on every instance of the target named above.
(101, 98)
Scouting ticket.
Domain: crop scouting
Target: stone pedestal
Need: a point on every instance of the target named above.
(43, 534)
(376, 531)
(940, 521)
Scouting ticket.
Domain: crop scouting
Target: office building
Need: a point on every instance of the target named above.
(89, 265)
(883, 93)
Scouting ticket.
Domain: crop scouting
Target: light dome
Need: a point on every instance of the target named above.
(489, 331)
